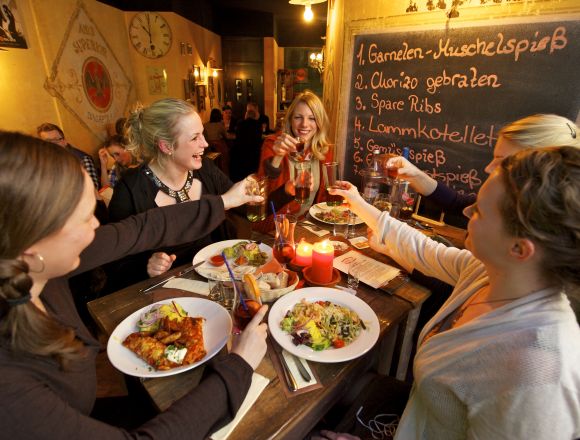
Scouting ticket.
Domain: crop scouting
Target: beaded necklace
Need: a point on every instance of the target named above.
(181, 195)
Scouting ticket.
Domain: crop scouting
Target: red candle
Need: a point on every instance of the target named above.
(303, 254)
(322, 256)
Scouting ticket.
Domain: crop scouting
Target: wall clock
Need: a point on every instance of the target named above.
(150, 34)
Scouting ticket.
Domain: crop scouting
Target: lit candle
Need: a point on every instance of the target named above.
(303, 254)
(322, 256)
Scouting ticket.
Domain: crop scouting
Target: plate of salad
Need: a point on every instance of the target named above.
(332, 214)
(322, 324)
(243, 256)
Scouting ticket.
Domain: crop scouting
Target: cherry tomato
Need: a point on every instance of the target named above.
(338, 343)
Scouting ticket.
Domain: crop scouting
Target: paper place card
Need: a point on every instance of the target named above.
(259, 382)
(195, 286)
(373, 272)
(360, 242)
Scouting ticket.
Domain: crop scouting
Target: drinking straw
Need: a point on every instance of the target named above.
(275, 223)
(406, 153)
(234, 283)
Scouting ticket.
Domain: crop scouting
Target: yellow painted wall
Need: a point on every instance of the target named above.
(25, 103)
(345, 16)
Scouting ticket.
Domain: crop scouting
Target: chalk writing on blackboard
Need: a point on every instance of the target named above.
(445, 94)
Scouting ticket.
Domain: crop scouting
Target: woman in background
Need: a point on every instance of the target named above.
(47, 355)
(541, 130)
(307, 119)
(507, 337)
(116, 148)
(169, 136)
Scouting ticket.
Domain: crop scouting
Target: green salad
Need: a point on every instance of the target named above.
(246, 253)
(322, 324)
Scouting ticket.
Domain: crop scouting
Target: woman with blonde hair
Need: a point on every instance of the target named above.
(47, 355)
(541, 130)
(168, 135)
(305, 119)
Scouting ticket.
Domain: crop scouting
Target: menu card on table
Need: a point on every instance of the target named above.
(374, 273)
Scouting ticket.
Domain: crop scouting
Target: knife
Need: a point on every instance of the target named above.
(290, 381)
(180, 273)
(301, 368)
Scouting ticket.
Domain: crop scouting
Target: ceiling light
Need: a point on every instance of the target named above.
(308, 14)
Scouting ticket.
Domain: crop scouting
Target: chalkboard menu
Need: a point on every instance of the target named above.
(446, 93)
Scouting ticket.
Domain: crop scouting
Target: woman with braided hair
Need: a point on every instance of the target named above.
(48, 233)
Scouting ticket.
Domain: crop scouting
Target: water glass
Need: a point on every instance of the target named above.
(354, 271)
(215, 291)
(340, 230)
(331, 172)
(351, 225)
(256, 186)
(383, 202)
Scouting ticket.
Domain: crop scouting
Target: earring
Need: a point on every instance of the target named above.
(38, 257)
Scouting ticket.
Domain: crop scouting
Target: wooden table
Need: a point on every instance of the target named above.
(273, 415)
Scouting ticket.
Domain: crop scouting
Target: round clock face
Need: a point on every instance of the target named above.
(150, 34)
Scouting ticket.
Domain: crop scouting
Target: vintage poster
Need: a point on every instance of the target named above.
(11, 26)
(87, 77)
(157, 80)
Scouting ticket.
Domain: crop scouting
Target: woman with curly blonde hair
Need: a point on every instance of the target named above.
(305, 119)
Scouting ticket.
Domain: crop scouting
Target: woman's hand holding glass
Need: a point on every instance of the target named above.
(420, 181)
(251, 344)
(238, 195)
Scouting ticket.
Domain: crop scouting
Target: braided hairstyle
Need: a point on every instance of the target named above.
(542, 203)
(40, 186)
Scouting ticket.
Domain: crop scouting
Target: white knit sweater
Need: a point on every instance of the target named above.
(512, 373)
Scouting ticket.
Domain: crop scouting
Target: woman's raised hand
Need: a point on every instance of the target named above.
(423, 183)
(284, 144)
(159, 263)
(103, 157)
(251, 344)
(237, 195)
(346, 190)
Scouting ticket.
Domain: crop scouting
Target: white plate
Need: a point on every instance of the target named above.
(216, 330)
(323, 207)
(363, 343)
(212, 272)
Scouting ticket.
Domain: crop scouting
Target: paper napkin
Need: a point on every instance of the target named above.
(300, 382)
(259, 382)
(195, 286)
(315, 231)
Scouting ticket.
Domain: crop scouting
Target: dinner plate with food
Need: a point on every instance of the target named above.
(169, 337)
(244, 256)
(322, 324)
(332, 214)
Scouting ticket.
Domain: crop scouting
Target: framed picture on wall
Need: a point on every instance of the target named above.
(11, 26)
(200, 91)
(238, 89)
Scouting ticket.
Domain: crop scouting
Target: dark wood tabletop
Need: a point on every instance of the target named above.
(273, 415)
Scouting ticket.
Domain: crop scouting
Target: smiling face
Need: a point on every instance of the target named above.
(503, 148)
(61, 250)
(303, 122)
(121, 156)
(189, 143)
(487, 238)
